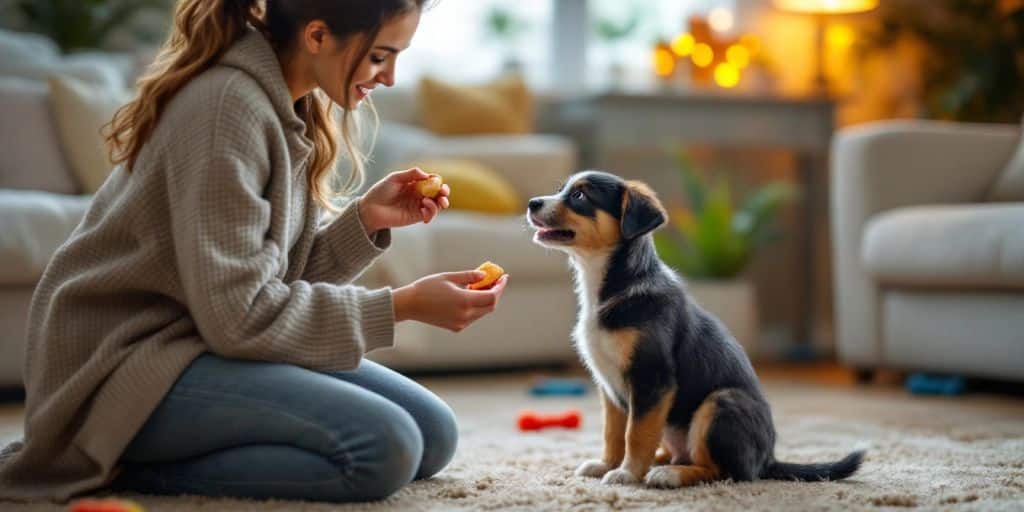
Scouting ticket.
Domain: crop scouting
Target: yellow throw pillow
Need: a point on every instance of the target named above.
(503, 106)
(81, 109)
(475, 187)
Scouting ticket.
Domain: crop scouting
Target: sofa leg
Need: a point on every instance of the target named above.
(864, 375)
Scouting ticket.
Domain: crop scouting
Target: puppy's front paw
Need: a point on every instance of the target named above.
(592, 468)
(619, 477)
(664, 477)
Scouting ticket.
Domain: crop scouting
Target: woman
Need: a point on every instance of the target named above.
(198, 333)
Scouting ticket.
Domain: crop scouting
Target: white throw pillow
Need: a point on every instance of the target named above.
(37, 57)
(81, 110)
(1010, 185)
(30, 148)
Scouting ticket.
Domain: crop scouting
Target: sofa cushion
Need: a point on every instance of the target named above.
(503, 106)
(81, 110)
(32, 156)
(32, 226)
(35, 57)
(961, 246)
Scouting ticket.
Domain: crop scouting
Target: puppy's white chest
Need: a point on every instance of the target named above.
(602, 355)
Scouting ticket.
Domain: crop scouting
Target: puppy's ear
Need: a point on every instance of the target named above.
(641, 211)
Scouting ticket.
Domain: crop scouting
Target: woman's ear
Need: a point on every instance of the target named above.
(314, 36)
(641, 211)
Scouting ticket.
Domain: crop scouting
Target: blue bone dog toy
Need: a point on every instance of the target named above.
(559, 387)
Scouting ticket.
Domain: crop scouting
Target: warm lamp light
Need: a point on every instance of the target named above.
(720, 19)
(703, 55)
(820, 8)
(727, 75)
(664, 62)
(738, 55)
(826, 6)
(683, 45)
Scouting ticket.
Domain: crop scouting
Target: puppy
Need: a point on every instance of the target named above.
(676, 388)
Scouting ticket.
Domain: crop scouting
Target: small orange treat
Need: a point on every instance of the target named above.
(430, 187)
(493, 272)
(94, 505)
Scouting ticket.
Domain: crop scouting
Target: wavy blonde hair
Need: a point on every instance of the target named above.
(203, 30)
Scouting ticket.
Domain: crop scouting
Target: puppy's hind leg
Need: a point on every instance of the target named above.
(703, 468)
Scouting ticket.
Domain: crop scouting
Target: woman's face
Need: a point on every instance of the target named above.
(331, 65)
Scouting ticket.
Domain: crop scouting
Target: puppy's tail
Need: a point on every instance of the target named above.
(837, 470)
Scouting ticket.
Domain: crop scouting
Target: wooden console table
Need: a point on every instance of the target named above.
(619, 120)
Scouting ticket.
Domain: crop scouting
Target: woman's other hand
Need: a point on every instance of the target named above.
(394, 202)
(443, 300)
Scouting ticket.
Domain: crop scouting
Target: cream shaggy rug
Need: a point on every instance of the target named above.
(962, 453)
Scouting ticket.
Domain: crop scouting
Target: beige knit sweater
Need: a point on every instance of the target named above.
(211, 244)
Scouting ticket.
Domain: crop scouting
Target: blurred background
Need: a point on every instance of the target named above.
(793, 141)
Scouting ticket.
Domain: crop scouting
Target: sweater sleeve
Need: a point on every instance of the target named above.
(343, 249)
(232, 271)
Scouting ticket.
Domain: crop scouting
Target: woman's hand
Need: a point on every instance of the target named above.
(444, 301)
(393, 202)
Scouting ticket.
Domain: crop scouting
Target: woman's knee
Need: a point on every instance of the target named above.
(390, 459)
(440, 438)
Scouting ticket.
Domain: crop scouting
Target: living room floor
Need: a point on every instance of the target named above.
(953, 453)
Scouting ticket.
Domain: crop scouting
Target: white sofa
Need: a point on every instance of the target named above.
(533, 322)
(40, 204)
(929, 272)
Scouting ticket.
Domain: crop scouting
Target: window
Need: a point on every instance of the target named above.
(454, 41)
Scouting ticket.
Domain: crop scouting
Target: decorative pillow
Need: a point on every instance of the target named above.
(30, 149)
(475, 187)
(1010, 185)
(503, 106)
(81, 110)
(37, 57)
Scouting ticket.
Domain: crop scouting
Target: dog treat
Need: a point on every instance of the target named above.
(559, 387)
(494, 272)
(430, 187)
(530, 420)
(94, 505)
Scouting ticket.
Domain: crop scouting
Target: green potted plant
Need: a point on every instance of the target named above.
(505, 27)
(82, 24)
(612, 32)
(713, 240)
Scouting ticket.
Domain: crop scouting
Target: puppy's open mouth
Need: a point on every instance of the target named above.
(555, 235)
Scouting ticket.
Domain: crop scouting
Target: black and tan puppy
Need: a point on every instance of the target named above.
(676, 387)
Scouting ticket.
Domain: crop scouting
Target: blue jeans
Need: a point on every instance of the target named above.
(261, 430)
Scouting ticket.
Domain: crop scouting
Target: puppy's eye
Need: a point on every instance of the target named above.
(579, 195)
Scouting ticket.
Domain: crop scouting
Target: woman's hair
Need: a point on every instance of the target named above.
(204, 29)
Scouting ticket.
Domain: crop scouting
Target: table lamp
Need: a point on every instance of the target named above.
(821, 8)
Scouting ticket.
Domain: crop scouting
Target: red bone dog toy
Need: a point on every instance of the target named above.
(529, 420)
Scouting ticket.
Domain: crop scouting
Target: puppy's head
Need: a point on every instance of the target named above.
(595, 211)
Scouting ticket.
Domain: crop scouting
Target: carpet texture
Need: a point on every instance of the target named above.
(963, 453)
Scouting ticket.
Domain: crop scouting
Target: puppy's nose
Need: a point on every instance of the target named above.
(536, 204)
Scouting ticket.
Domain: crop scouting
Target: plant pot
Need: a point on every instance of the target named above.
(735, 305)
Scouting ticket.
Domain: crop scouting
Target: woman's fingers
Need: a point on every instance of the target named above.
(490, 297)
(408, 175)
(464, 278)
(429, 209)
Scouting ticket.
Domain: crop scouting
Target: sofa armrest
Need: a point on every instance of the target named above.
(882, 166)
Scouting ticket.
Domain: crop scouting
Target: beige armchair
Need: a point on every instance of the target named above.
(929, 276)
